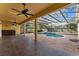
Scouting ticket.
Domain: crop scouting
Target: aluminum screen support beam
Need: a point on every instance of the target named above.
(63, 16)
(54, 18)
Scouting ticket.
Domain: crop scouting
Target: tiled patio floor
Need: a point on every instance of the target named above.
(25, 46)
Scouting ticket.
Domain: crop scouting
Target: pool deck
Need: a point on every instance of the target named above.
(24, 45)
(61, 43)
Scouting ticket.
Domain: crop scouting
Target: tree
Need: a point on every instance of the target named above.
(72, 26)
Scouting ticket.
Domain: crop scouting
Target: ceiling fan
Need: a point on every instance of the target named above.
(12, 21)
(24, 11)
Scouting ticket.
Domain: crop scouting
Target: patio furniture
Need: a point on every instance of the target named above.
(76, 41)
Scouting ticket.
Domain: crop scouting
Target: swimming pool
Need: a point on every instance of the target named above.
(50, 34)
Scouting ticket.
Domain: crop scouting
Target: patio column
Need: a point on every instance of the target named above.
(36, 28)
(24, 28)
(17, 29)
(0, 29)
(77, 20)
(78, 29)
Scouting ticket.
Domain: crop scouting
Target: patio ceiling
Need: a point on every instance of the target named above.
(38, 9)
(7, 14)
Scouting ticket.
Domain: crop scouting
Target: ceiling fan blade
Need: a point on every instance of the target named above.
(19, 14)
(29, 14)
(26, 15)
(12, 12)
(15, 10)
(11, 21)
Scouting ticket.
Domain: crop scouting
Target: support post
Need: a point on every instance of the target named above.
(18, 29)
(36, 28)
(77, 19)
(78, 28)
(0, 29)
(24, 28)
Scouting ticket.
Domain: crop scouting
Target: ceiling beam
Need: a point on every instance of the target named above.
(63, 16)
(54, 18)
(51, 8)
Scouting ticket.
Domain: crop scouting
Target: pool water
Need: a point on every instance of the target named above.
(49, 34)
